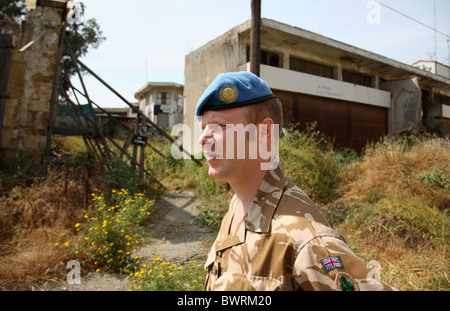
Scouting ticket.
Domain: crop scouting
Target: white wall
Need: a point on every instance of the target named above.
(298, 82)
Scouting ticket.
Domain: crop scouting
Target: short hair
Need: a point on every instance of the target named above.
(270, 108)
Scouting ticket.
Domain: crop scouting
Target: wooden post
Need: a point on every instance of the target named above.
(136, 132)
(255, 37)
(141, 153)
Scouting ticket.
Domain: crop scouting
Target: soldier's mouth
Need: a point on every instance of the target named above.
(211, 157)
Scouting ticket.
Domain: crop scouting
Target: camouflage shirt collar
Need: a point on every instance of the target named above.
(265, 202)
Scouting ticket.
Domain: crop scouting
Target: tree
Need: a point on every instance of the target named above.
(82, 35)
(13, 9)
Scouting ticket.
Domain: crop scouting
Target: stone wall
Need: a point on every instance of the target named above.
(30, 83)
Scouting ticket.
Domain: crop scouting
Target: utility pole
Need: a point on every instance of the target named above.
(255, 38)
(435, 41)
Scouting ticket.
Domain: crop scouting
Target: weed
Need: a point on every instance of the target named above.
(155, 274)
(112, 229)
(435, 176)
(312, 163)
(210, 218)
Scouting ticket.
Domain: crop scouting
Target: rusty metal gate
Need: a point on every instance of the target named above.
(72, 99)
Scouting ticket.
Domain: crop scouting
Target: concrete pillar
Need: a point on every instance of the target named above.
(432, 116)
(405, 114)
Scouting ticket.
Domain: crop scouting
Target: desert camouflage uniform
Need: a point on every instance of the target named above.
(284, 243)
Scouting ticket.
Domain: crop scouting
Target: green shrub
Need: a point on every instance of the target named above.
(312, 163)
(435, 176)
(112, 229)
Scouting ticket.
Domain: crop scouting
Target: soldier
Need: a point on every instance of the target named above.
(273, 237)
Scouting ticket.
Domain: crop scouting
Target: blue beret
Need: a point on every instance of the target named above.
(232, 90)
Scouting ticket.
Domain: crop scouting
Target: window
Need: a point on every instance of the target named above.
(163, 98)
(442, 99)
(268, 58)
(305, 66)
(357, 78)
(271, 59)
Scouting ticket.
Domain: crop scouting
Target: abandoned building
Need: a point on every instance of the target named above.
(353, 95)
(161, 102)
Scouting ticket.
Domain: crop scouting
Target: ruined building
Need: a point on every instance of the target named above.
(353, 95)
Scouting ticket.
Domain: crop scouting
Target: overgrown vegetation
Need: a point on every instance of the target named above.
(155, 274)
(112, 229)
(391, 203)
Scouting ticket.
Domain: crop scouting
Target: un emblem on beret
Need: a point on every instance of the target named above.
(228, 94)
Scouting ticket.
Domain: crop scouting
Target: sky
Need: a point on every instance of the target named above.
(147, 40)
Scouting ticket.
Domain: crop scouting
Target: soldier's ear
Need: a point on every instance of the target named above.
(265, 128)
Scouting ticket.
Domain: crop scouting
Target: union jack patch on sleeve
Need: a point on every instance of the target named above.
(332, 262)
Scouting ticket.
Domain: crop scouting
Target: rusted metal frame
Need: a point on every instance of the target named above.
(100, 131)
(89, 149)
(77, 90)
(88, 119)
(136, 110)
(109, 115)
(79, 108)
(117, 122)
(141, 154)
(99, 147)
(104, 153)
(100, 155)
(128, 139)
(136, 132)
(124, 152)
(76, 97)
(71, 107)
(92, 102)
(132, 160)
(88, 141)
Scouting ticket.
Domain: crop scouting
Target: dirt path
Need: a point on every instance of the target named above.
(174, 237)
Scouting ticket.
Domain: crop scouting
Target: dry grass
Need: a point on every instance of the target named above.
(395, 168)
(33, 219)
(394, 208)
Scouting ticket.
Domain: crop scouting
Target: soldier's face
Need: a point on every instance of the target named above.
(225, 141)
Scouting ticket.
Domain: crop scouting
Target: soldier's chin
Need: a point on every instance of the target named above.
(216, 173)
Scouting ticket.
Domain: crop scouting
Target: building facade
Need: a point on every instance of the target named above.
(161, 102)
(353, 95)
